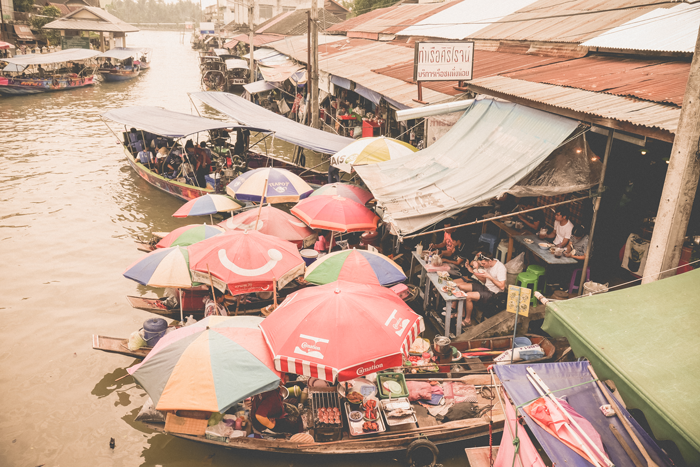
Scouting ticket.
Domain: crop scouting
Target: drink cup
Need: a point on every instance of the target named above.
(543, 232)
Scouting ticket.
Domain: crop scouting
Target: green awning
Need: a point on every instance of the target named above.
(647, 340)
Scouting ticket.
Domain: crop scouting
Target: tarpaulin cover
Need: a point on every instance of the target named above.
(285, 129)
(586, 399)
(646, 339)
(258, 86)
(119, 54)
(342, 82)
(220, 52)
(165, 122)
(368, 94)
(279, 72)
(67, 55)
(492, 147)
(233, 63)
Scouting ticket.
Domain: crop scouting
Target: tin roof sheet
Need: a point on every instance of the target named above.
(258, 39)
(636, 112)
(294, 23)
(102, 22)
(357, 21)
(664, 30)
(652, 80)
(395, 19)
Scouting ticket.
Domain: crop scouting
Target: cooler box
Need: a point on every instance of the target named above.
(401, 290)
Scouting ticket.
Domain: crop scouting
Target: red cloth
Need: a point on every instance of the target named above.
(418, 390)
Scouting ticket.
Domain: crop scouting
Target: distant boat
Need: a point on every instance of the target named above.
(125, 68)
(24, 74)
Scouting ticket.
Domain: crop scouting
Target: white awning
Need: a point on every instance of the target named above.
(258, 86)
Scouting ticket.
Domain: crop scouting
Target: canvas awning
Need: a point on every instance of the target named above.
(258, 86)
(285, 129)
(279, 73)
(489, 150)
(24, 33)
(167, 123)
(234, 63)
(67, 55)
(646, 340)
(118, 54)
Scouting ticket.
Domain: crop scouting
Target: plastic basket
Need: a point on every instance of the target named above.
(397, 377)
(185, 425)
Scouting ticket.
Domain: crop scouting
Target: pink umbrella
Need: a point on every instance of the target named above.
(271, 221)
(5, 45)
(346, 190)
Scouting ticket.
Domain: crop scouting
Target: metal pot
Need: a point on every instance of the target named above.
(441, 345)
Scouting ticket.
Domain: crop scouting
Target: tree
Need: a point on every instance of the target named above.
(360, 7)
(23, 5)
(48, 14)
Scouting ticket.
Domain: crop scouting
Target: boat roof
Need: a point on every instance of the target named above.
(120, 53)
(67, 55)
(233, 63)
(167, 123)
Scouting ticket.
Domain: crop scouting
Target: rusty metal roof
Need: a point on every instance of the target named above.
(90, 18)
(258, 39)
(652, 80)
(294, 23)
(624, 109)
(356, 21)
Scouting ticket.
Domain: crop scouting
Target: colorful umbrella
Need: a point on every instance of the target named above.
(345, 190)
(370, 151)
(208, 366)
(207, 204)
(165, 267)
(355, 266)
(272, 221)
(189, 234)
(6, 45)
(247, 261)
(340, 331)
(282, 186)
(335, 213)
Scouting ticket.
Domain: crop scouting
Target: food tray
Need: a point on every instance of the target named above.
(398, 377)
(392, 404)
(355, 428)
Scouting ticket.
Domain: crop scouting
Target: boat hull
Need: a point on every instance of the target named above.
(123, 75)
(19, 87)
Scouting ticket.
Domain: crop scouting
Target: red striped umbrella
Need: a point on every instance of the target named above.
(340, 331)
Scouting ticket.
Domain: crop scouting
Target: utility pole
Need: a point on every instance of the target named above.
(251, 36)
(680, 184)
(313, 77)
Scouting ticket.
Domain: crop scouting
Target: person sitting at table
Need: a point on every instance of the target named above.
(447, 242)
(493, 281)
(535, 219)
(578, 245)
(268, 414)
(562, 228)
(459, 255)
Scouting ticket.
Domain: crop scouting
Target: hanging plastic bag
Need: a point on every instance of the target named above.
(516, 265)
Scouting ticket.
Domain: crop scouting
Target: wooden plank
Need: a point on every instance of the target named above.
(116, 345)
(479, 457)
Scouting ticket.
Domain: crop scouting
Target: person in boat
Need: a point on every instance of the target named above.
(146, 158)
(171, 166)
(206, 152)
(161, 156)
(215, 308)
(268, 414)
(492, 282)
(41, 72)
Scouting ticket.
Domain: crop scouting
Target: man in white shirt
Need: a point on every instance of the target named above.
(562, 228)
(494, 281)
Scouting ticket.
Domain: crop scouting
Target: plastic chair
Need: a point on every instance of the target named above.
(525, 279)
(490, 239)
(540, 272)
(502, 251)
(573, 285)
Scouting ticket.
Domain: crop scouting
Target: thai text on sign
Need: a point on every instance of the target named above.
(443, 61)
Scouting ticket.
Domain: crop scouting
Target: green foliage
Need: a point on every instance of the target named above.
(360, 7)
(155, 11)
(23, 5)
(48, 14)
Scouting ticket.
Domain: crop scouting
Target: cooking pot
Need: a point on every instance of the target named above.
(441, 345)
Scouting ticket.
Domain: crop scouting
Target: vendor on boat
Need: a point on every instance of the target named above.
(267, 413)
(215, 308)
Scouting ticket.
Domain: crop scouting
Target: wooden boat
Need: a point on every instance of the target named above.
(117, 345)
(119, 74)
(20, 86)
(127, 64)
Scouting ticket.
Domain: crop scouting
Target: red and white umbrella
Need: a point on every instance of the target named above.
(272, 221)
(340, 331)
(246, 261)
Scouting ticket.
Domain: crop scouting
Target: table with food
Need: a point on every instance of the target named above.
(544, 250)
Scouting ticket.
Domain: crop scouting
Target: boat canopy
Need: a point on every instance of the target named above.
(285, 129)
(167, 123)
(568, 380)
(236, 63)
(119, 54)
(646, 340)
(220, 52)
(258, 86)
(67, 55)
(488, 151)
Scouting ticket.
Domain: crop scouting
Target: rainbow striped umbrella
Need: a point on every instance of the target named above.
(208, 204)
(282, 186)
(189, 234)
(355, 266)
(164, 267)
(208, 366)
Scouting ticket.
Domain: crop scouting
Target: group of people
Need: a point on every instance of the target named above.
(193, 163)
(490, 273)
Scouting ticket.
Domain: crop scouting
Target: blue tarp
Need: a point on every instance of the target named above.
(586, 400)
(166, 123)
(285, 129)
(342, 82)
(368, 93)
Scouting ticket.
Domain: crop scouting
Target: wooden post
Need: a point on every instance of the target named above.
(251, 36)
(313, 77)
(680, 185)
(596, 206)
(211, 283)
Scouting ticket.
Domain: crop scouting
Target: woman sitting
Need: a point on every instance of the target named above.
(268, 414)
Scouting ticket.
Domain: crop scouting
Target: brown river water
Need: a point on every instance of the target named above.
(70, 211)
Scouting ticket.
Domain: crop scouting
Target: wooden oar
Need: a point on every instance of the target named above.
(628, 427)
(625, 446)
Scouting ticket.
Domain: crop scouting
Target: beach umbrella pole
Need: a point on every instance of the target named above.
(211, 282)
(330, 244)
(262, 200)
(211, 219)
(182, 317)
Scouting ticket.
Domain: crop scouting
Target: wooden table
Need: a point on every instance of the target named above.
(511, 232)
(546, 255)
(427, 278)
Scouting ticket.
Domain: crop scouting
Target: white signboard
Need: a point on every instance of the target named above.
(443, 61)
(206, 28)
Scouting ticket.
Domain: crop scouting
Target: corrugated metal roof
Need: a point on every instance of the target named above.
(294, 23)
(653, 80)
(354, 59)
(396, 19)
(664, 30)
(102, 22)
(258, 39)
(636, 112)
(352, 23)
(486, 63)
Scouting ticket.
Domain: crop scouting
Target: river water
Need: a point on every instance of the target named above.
(71, 209)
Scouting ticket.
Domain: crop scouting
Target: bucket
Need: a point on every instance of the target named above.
(153, 330)
(594, 288)
(309, 256)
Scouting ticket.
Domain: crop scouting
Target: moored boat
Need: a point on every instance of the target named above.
(119, 65)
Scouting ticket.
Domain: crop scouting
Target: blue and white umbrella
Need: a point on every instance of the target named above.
(279, 186)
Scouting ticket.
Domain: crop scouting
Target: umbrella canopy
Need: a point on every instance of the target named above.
(341, 330)
(165, 267)
(208, 366)
(355, 266)
(370, 151)
(207, 205)
(247, 261)
(282, 186)
(345, 190)
(6, 45)
(273, 222)
(189, 234)
(335, 213)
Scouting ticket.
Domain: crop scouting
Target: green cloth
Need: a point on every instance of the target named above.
(646, 340)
